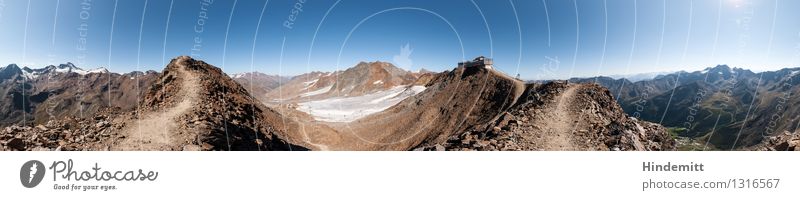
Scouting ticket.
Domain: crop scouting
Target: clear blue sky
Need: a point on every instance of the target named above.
(596, 37)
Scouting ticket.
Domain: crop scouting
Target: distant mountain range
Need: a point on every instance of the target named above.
(260, 83)
(640, 76)
(60, 69)
(34, 96)
(722, 106)
(363, 78)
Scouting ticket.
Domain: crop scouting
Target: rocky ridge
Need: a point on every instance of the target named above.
(546, 119)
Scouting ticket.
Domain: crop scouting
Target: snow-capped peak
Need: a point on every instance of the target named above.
(29, 73)
(100, 70)
(60, 69)
(69, 67)
(248, 74)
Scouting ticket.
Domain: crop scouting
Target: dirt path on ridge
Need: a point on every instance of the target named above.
(558, 123)
(156, 130)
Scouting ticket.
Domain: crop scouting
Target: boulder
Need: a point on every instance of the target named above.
(16, 144)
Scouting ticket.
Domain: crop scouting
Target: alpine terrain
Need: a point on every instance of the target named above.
(192, 105)
(716, 108)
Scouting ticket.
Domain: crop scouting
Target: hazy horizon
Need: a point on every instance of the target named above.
(615, 76)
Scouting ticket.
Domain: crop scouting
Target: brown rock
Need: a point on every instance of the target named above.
(439, 147)
(101, 124)
(206, 146)
(783, 146)
(16, 144)
(192, 147)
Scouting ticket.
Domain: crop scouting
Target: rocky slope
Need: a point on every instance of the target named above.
(34, 96)
(786, 141)
(67, 134)
(782, 142)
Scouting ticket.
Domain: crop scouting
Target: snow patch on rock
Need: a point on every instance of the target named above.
(317, 92)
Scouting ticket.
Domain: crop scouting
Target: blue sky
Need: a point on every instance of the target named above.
(538, 39)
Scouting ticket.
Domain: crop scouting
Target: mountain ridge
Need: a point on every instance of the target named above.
(34, 96)
(726, 107)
